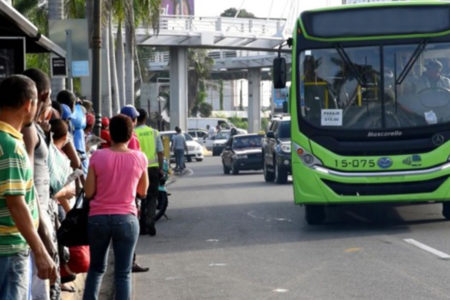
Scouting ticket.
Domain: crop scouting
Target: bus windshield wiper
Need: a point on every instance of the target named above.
(412, 60)
(350, 64)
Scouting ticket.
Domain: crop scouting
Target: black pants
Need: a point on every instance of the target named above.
(148, 205)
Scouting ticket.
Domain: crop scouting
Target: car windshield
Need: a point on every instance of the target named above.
(284, 131)
(351, 88)
(222, 135)
(188, 137)
(247, 142)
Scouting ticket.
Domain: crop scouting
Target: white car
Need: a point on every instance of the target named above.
(195, 150)
(219, 142)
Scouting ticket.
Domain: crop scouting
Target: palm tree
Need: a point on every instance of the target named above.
(132, 13)
(202, 65)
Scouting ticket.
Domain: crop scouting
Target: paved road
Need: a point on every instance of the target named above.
(237, 237)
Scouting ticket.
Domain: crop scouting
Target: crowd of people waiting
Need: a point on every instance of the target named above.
(48, 156)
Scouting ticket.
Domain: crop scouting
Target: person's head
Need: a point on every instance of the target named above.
(42, 82)
(58, 108)
(130, 111)
(90, 121)
(18, 98)
(120, 128)
(177, 129)
(88, 105)
(142, 116)
(66, 97)
(105, 122)
(59, 129)
(433, 69)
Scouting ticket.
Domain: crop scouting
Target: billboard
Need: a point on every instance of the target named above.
(178, 7)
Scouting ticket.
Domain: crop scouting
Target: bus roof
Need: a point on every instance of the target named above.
(376, 21)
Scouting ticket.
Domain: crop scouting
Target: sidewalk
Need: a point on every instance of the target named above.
(78, 284)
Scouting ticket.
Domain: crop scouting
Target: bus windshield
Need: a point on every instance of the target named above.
(375, 87)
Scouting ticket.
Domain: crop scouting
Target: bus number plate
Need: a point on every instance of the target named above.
(355, 163)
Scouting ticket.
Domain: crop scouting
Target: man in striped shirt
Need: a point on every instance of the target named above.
(18, 208)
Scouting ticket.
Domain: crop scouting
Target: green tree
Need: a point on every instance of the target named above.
(201, 65)
(38, 15)
(231, 12)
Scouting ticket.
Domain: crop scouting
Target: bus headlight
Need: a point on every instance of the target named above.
(307, 158)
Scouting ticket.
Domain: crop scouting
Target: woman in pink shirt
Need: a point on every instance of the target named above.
(113, 213)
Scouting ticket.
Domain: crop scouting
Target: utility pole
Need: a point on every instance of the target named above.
(96, 46)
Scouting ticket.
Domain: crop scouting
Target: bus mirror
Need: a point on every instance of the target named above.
(279, 73)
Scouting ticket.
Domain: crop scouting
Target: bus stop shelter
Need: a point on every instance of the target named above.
(19, 36)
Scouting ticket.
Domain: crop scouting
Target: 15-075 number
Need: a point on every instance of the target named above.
(354, 163)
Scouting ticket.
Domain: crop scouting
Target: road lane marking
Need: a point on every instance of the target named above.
(217, 264)
(212, 240)
(440, 254)
(280, 290)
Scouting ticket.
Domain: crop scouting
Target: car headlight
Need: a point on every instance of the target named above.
(307, 158)
(240, 156)
(285, 147)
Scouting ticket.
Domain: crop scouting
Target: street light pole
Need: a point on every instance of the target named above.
(96, 46)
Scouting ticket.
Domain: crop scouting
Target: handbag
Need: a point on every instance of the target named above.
(73, 229)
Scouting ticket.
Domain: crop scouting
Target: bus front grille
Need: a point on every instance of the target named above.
(414, 187)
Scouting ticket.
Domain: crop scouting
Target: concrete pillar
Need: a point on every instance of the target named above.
(56, 12)
(178, 87)
(254, 100)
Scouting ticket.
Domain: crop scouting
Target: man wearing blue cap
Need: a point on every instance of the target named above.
(130, 111)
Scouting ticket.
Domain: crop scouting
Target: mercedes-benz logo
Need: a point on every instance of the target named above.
(438, 139)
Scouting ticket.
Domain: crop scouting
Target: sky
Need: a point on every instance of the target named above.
(260, 8)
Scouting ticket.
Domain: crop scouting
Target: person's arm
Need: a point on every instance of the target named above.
(160, 152)
(24, 222)
(90, 185)
(64, 195)
(141, 190)
(69, 150)
(31, 139)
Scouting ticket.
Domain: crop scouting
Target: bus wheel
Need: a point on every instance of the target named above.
(314, 214)
(446, 210)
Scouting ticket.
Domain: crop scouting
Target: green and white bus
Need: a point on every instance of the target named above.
(370, 105)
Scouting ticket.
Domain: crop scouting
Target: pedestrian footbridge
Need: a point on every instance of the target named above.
(231, 43)
(216, 32)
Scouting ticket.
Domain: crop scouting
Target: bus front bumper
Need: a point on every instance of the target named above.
(319, 185)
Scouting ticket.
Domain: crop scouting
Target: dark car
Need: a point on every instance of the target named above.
(242, 152)
(277, 150)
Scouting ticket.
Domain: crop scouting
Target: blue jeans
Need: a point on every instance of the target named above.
(179, 158)
(123, 231)
(15, 276)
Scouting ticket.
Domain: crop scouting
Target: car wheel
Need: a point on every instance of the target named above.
(189, 159)
(314, 214)
(199, 159)
(234, 169)
(226, 170)
(280, 174)
(268, 175)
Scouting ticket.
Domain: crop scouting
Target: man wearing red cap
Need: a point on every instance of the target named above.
(104, 133)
